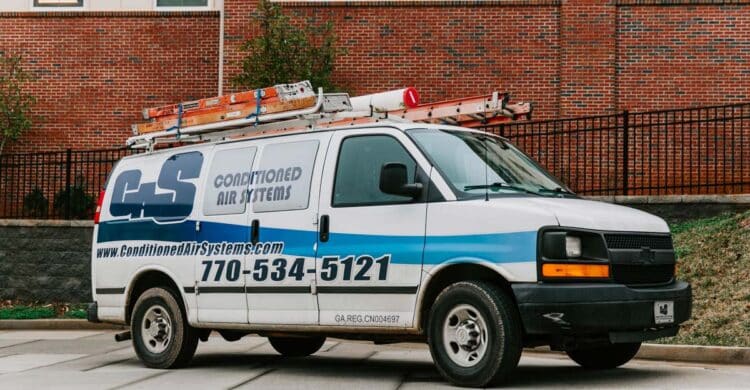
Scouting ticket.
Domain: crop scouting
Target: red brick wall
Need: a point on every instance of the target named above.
(683, 56)
(96, 71)
(570, 57)
(587, 61)
(445, 50)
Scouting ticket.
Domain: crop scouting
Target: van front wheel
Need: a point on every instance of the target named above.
(296, 346)
(600, 358)
(162, 337)
(474, 333)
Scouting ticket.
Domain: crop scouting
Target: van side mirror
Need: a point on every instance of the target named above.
(394, 181)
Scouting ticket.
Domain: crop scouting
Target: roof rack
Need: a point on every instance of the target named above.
(293, 107)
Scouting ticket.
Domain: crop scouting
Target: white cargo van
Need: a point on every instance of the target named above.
(385, 232)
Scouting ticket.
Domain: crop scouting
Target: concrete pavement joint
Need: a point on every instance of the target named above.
(403, 380)
(122, 386)
(262, 373)
(257, 346)
(56, 324)
(331, 347)
(106, 364)
(22, 343)
(70, 360)
(54, 364)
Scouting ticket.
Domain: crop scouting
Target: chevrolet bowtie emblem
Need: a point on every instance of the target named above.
(647, 255)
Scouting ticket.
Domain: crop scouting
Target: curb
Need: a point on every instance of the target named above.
(695, 354)
(56, 324)
(682, 353)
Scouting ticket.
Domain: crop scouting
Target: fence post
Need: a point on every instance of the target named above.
(501, 130)
(625, 150)
(68, 162)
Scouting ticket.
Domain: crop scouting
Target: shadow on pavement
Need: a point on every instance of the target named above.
(552, 373)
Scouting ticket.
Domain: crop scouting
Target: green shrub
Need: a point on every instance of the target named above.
(81, 203)
(35, 204)
(282, 53)
(75, 313)
(15, 103)
(27, 312)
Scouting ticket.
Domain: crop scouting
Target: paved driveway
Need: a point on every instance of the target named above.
(92, 359)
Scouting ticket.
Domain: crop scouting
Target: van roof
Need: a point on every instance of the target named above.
(398, 125)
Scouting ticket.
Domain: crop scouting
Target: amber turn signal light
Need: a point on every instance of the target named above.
(575, 270)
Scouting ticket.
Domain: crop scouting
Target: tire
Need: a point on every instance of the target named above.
(474, 332)
(162, 337)
(297, 346)
(601, 358)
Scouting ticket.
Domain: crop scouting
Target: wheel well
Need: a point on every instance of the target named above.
(146, 281)
(457, 273)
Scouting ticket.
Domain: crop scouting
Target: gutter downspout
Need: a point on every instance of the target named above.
(221, 49)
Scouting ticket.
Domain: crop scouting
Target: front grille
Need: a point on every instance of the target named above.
(642, 274)
(638, 241)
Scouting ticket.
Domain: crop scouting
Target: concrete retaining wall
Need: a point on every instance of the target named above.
(45, 261)
(678, 208)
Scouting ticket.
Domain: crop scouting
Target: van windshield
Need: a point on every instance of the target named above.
(476, 163)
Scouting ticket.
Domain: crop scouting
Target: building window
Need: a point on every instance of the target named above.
(58, 3)
(182, 3)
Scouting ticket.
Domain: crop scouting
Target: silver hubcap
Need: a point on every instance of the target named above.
(465, 335)
(156, 329)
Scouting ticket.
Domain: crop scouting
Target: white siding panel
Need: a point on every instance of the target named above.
(14, 5)
(104, 5)
(137, 4)
(99, 5)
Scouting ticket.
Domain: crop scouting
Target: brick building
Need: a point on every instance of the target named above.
(98, 62)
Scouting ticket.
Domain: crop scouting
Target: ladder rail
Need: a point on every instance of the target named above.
(148, 138)
(337, 110)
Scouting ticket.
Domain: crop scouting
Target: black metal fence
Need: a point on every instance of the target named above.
(671, 152)
(54, 185)
(687, 151)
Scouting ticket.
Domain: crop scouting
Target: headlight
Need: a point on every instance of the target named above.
(573, 246)
(572, 254)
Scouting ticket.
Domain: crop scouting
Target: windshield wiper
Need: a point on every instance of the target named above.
(498, 185)
(556, 190)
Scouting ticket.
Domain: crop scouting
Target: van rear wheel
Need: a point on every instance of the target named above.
(474, 333)
(296, 346)
(601, 358)
(162, 337)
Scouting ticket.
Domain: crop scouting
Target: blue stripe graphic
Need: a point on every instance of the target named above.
(494, 248)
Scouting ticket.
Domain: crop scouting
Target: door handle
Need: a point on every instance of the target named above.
(324, 228)
(255, 231)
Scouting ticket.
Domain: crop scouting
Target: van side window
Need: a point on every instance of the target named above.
(282, 179)
(358, 170)
(228, 181)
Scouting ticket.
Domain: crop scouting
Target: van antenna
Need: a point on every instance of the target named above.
(486, 170)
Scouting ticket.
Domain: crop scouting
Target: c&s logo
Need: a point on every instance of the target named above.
(174, 200)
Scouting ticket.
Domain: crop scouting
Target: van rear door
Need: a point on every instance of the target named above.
(223, 235)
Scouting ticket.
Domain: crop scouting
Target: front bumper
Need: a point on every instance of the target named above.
(615, 311)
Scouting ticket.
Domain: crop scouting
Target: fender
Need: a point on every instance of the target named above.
(191, 315)
(428, 277)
